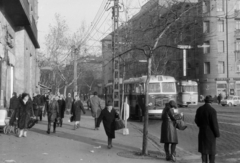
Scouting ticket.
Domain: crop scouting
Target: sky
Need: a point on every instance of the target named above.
(75, 12)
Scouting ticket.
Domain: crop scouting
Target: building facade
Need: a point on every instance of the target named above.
(220, 62)
(19, 71)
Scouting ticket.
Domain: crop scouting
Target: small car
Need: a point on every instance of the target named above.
(231, 101)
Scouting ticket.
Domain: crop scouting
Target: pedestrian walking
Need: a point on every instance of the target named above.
(108, 116)
(35, 103)
(61, 104)
(206, 120)
(168, 131)
(77, 107)
(219, 98)
(52, 112)
(14, 102)
(24, 112)
(95, 105)
(69, 102)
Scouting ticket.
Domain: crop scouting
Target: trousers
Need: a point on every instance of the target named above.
(208, 158)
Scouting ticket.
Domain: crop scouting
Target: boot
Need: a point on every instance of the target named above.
(54, 127)
(109, 143)
(166, 149)
(20, 133)
(25, 134)
(61, 122)
(173, 152)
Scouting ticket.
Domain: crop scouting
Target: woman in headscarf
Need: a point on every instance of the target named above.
(77, 107)
(23, 114)
(108, 116)
(168, 131)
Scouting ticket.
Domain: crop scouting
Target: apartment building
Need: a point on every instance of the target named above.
(219, 64)
(19, 71)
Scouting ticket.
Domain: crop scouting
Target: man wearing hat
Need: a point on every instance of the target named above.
(206, 120)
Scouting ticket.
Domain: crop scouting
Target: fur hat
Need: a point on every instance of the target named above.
(172, 104)
(109, 103)
(208, 99)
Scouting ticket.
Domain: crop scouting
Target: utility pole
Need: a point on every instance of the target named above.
(227, 49)
(115, 46)
(75, 52)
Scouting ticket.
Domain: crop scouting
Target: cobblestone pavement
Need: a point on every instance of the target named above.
(228, 145)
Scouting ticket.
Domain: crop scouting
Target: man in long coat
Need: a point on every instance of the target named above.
(14, 102)
(206, 120)
(52, 112)
(69, 101)
(61, 104)
(95, 104)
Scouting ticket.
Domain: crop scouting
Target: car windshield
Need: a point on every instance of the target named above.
(168, 87)
(189, 88)
(154, 88)
(230, 98)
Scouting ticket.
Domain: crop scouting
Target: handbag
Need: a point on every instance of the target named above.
(72, 118)
(31, 123)
(119, 124)
(180, 124)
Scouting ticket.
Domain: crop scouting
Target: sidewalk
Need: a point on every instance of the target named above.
(74, 146)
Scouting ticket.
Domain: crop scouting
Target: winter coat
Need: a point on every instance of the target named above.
(69, 102)
(108, 119)
(24, 112)
(53, 111)
(61, 104)
(206, 120)
(95, 105)
(168, 130)
(14, 102)
(77, 106)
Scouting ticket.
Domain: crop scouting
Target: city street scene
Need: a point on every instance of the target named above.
(119, 81)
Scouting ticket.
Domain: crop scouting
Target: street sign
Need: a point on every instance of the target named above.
(184, 47)
(203, 46)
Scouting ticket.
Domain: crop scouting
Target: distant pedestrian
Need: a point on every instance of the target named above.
(95, 105)
(36, 107)
(23, 114)
(77, 107)
(69, 101)
(14, 102)
(168, 131)
(53, 112)
(61, 103)
(219, 98)
(206, 120)
(108, 116)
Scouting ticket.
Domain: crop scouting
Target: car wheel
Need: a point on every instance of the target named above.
(223, 105)
(230, 104)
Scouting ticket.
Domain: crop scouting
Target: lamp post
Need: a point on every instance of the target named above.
(184, 47)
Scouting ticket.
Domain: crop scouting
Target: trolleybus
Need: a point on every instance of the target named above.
(162, 89)
(187, 93)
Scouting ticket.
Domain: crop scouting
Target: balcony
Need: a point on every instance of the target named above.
(33, 32)
(237, 33)
(237, 14)
(16, 11)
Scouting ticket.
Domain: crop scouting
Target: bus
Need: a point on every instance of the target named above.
(162, 89)
(187, 93)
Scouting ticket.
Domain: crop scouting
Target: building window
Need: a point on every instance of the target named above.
(206, 27)
(206, 6)
(220, 26)
(238, 5)
(238, 67)
(237, 24)
(221, 46)
(206, 50)
(221, 67)
(237, 45)
(206, 67)
(220, 5)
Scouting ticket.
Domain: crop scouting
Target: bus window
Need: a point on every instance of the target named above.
(154, 88)
(189, 88)
(168, 87)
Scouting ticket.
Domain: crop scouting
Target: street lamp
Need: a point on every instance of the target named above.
(184, 47)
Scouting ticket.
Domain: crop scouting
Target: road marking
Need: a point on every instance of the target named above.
(219, 130)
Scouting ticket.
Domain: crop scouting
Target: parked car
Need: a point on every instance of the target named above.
(231, 101)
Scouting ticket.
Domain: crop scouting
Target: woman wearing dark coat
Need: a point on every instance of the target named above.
(14, 102)
(108, 116)
(61, 103)
(206, 120)
(52, 112)
(168, 131)
(23, 114)
(77, 107)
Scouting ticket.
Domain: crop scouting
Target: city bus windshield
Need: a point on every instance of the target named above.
(189, 88)
(154, 88)
(168, 87)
